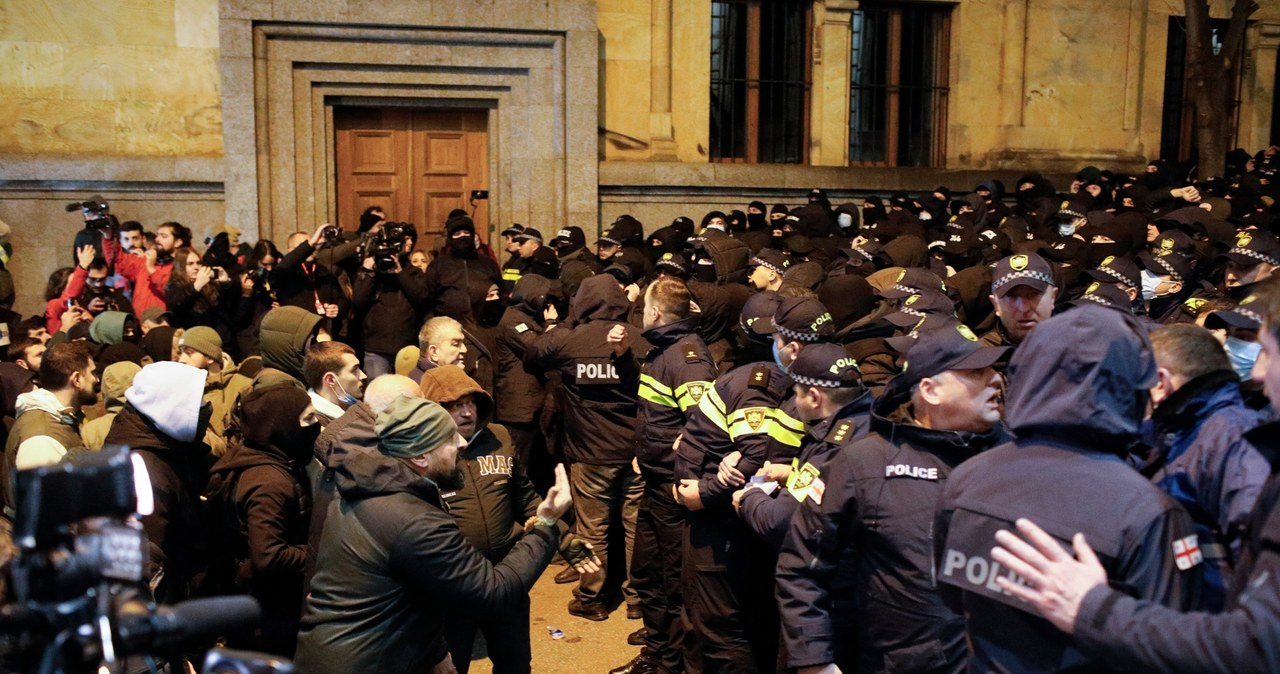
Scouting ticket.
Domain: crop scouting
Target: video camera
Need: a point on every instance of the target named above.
(97, 213)
(79, 577)
(387, 245)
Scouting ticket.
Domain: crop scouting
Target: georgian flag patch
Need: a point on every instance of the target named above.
(1186, 552)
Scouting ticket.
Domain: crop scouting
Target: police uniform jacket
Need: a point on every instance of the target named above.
(674, 375)
(747, 409)
(512, 271)
(601, 390)
(855, 581)
(769, 515)
(1075, 412)
(1133, 635)
(1202, 460)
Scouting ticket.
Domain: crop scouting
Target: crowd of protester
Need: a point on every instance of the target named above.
(791, 433)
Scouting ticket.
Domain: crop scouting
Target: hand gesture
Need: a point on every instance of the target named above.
(1056, 582)
(331, 310)
(203, 276)
(1190, 194)
(246, 284)
(580, 555)
(775, 472)
(550, 314)
(619, 338)
(728, 474)
(85, 256)
(559, 498)
(74, 314)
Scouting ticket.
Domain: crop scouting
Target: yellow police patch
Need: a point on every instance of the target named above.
(755, 417)
(1018, 262)
(696, 391)
(1166, 244)
(1092, 287)
(964, 332)
(911, 300)
(1108, 260)
(1244, 239)
(900, 275)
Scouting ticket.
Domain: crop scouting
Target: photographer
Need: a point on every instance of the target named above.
(87, 288)
(201, 295)
(257, 295)
(301, 281)
(387, 297)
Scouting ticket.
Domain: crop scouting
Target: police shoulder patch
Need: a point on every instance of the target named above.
(691, 354)
(759, 378)
(522, 328)
(841, 431)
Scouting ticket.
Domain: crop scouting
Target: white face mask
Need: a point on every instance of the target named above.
(1066, 229)
(844, 220)
(1149, 284)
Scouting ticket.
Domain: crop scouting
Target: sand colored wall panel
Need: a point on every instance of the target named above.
(126, 78)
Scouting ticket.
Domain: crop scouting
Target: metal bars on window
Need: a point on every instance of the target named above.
(759, 81)
(899, 64)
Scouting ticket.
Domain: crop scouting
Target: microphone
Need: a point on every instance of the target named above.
(188, 624)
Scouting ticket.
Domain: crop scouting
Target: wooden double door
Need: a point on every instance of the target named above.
(417, 165)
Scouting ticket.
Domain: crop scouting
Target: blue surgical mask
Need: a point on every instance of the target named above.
(1149, 283)
(343, 396)
(844, 220)
(777, 357)
(1242, 355)
(1066, 229)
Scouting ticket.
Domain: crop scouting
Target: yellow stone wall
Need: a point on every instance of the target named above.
(110, 77)
(1044, 84)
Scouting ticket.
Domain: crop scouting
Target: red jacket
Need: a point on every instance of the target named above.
(148, 288)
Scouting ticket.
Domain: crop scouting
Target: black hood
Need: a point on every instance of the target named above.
(1082, 376)
(600, 298)
(530, 294)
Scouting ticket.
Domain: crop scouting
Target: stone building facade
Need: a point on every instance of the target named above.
(225, 111)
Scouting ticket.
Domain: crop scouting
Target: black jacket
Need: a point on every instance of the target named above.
(393, 567)
(301, 284)
(855, 585)
(769, 515)
(674, 374)
(389, 307)
(519, 393)
(1075, 412)
(600, 388)
(350, 433)
(457, 287)
(1139, 635)
(175, 531)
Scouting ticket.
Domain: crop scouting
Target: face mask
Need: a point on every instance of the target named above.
(844, 220)
(1242, 355)
(462, 244)
(777, 357)
(925, 216)
(705, 272)
(756, 220)
(344, 397)
(1149, 283)
(1066, 229)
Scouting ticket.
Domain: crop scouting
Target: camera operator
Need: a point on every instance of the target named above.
(387, 296)
(301, 281)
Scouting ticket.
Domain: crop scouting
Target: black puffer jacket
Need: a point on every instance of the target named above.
(457, 287)
(600, 389)
(497, 497)
(393, 566)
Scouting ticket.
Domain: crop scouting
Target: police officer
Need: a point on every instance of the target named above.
(1139, 635)
(854, 581)
(1077, 392)
(829, 394)
(674, 374)
(1023, 291)
(514, 267)
(728, 570)
(600, 424)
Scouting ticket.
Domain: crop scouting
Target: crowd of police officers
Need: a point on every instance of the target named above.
(812, 423)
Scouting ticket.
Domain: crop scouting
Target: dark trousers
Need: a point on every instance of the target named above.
(655, 572)
(598, 493)
(729, 599)
(531, 451)
(506, 635)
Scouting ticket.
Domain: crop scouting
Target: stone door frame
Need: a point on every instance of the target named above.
(285, 67)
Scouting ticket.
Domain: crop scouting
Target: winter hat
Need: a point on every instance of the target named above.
(412, 426)
(457, 223)
(170, 395)
(158, 343)
(407, 359)
(203, 339)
